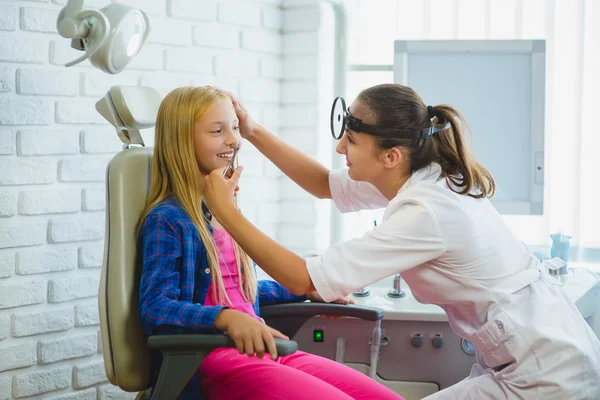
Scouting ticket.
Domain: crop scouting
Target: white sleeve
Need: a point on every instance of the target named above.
(350, 195)
(408, 238)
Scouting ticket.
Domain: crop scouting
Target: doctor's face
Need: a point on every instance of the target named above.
(216, 134)
(360, 149)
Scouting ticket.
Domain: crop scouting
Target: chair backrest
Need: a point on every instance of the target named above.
(124, 344)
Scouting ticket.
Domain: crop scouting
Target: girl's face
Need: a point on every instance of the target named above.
(362, 155)
(216, 134)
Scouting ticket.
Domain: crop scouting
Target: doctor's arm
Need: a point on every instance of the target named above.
(405, 240)
(272, 292)
(298, 166)
(281, 264)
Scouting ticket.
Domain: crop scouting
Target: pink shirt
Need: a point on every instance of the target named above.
(229, 272)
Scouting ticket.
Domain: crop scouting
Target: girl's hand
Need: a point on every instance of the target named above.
(218, 188)
(250, 335)
(247, 123)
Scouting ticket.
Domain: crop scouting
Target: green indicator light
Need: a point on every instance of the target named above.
(318, 335)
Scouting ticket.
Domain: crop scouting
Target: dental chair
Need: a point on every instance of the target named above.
(126, 348)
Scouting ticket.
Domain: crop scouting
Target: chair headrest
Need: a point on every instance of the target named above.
(129, 109)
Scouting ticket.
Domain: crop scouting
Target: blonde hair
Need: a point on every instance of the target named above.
(175, 173)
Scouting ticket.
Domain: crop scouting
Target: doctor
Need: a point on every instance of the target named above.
(440, 231)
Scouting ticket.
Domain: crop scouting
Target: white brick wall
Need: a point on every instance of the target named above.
(86, 315)
(8, 144)
(88, 169)
(90, 255)
(94, 199)
(170, 32)
(5, 388)
(46, 82)
(89, 374)
(188, 9)
(47, 142)
(54, 148)
(25, 385)
(95, 82)
(100, 141)
(43, 261)
(88, 226)
(24, 172)
(17, 234)
(9, 18)
(4, 327)
(78, 112)
(305, 99)
(108, 392)
(216, 35)
(261, 41)
(7, 265)
(21, 293)
(232, 64)
(88, 394)
(61, 290)
(74, 346)
(154, 7)
(301, 43)
(7, 82)
(25, 112)
(23, 49)
(272, 18)
(30, 324)
(36, 19)
(8, 204)
(19, 355)
(186, 60)
(38, 201)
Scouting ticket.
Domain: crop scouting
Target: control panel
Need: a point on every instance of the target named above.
(411, 351)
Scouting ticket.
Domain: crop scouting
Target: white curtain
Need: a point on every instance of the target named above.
(572, 33)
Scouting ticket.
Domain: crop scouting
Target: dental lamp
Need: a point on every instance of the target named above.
(110, 37)
(129, 109)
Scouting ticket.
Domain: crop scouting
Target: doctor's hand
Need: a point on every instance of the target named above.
(250, 335)
(315, 297)
(217, 188)
(247, 123)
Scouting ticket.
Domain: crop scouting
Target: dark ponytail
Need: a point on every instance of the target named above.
(401, 110)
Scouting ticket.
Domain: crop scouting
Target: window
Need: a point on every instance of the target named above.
(572, 189)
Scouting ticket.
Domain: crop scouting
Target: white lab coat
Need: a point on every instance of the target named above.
(456, 252)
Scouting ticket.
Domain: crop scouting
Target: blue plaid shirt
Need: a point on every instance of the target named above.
(175, 280)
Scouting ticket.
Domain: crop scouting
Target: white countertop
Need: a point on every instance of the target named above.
(402, 309)
(582, 287)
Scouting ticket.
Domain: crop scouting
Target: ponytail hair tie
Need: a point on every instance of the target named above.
(430, 111)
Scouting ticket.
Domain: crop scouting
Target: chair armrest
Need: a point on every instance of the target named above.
(289, 318)
(183, 355)
(207, 342)
(309, 309)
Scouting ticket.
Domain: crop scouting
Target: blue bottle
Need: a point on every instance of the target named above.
(561, 245)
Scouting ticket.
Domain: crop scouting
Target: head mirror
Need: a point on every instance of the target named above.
(339, 115)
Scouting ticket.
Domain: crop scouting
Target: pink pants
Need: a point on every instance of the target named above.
(227, 374)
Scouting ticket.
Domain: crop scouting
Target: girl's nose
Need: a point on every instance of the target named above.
(233, 140)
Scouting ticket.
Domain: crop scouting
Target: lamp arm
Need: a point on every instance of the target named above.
(148, 26)
(104, 26)
(67, 23)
